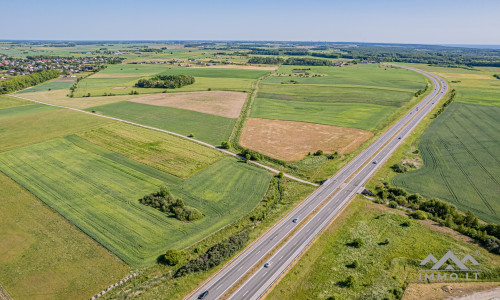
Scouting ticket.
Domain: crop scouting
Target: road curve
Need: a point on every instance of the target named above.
(286, 240)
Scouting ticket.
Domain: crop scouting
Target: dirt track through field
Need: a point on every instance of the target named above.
(219, 103)
(290, 141)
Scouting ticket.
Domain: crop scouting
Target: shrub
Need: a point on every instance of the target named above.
(225, 145)
(165, 202)
(172, 257)
(318, 153)
(350, 281)
(358, 243)
(393, 204)
(419, 215)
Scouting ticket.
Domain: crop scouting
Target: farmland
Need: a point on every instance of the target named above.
(8, 102)
(43, 256)
(57, 84)
(77, 194)
(120, 79)
(461, 160)
(170, 154)
(382, 268)
(208, 128)
(29, 124)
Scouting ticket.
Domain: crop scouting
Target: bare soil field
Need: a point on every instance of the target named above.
(219, 103)
(265, 68)
(65, 79)
(290, 141)
(459, 290)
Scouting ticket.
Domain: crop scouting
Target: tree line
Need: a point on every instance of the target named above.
(25, 81)
(165, 202)
(488, 235)
(215, 255)
(301, 61)
(165, 81)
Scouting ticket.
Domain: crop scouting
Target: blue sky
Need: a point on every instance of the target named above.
(424, 21)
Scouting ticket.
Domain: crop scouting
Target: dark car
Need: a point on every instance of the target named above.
(203, 295)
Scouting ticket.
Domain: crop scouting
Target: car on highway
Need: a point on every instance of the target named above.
(268, 264)
(295, 220)
(203, 295)
(399, 138)
(374, 162)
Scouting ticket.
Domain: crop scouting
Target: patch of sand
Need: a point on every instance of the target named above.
(290, 141)
(245, 67)
(219, 103)
(460, 290)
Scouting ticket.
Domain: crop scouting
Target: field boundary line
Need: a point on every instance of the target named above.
(171, 133)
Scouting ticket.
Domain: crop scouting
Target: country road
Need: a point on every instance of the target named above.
(283, 243)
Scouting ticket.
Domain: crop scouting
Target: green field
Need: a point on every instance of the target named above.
(29, 124)
(361, 116)
(461, 152)
(358, 96)
(359, 75)
(43, 256)
(126, 75)
(176, 156)
(8, 102)
(320, 273)
(52, 85)
(205, 127)
(99, 193)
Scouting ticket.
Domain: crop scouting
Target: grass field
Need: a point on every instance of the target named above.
(360, 75)
(43, 256)
(60, 97)
(366, 116)
(168, 153)
(205, 127)
(8, 102)
(114, 78)
(52, 85)
(461, 152)
(357, 96)
(320, 273)
(29, 124)
(98, 192)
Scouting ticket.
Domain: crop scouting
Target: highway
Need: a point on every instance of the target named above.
(286, 240)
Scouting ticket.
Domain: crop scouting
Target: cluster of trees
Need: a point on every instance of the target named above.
(497, 76)
(402, 167)
(265, 60)
(251, 155)
(24, 81)
(453, 93)
(165, 202)
(215, 255)
(443, 213)
(166, 81)
(421, 91)
(275, 195)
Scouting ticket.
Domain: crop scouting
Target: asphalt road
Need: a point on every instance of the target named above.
(334, 194)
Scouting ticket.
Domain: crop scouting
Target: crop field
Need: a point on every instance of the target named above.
(60, 97)
(461, 152)
(322, 271)
(219, 103)
(360, 75)
(29, 124)
(165, 152)
(8, 102)
(99, 192)
(366, 116)
(51, 85)
(120, 79)
(205, 127)
(290, 141)
(43, 256)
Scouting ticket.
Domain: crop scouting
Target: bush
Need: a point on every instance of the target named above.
(318, 153)
(393, 204)
(165, 202)
(358, 243)
(419, 215)
(172, 257)
(225, 145)
(350, 281)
